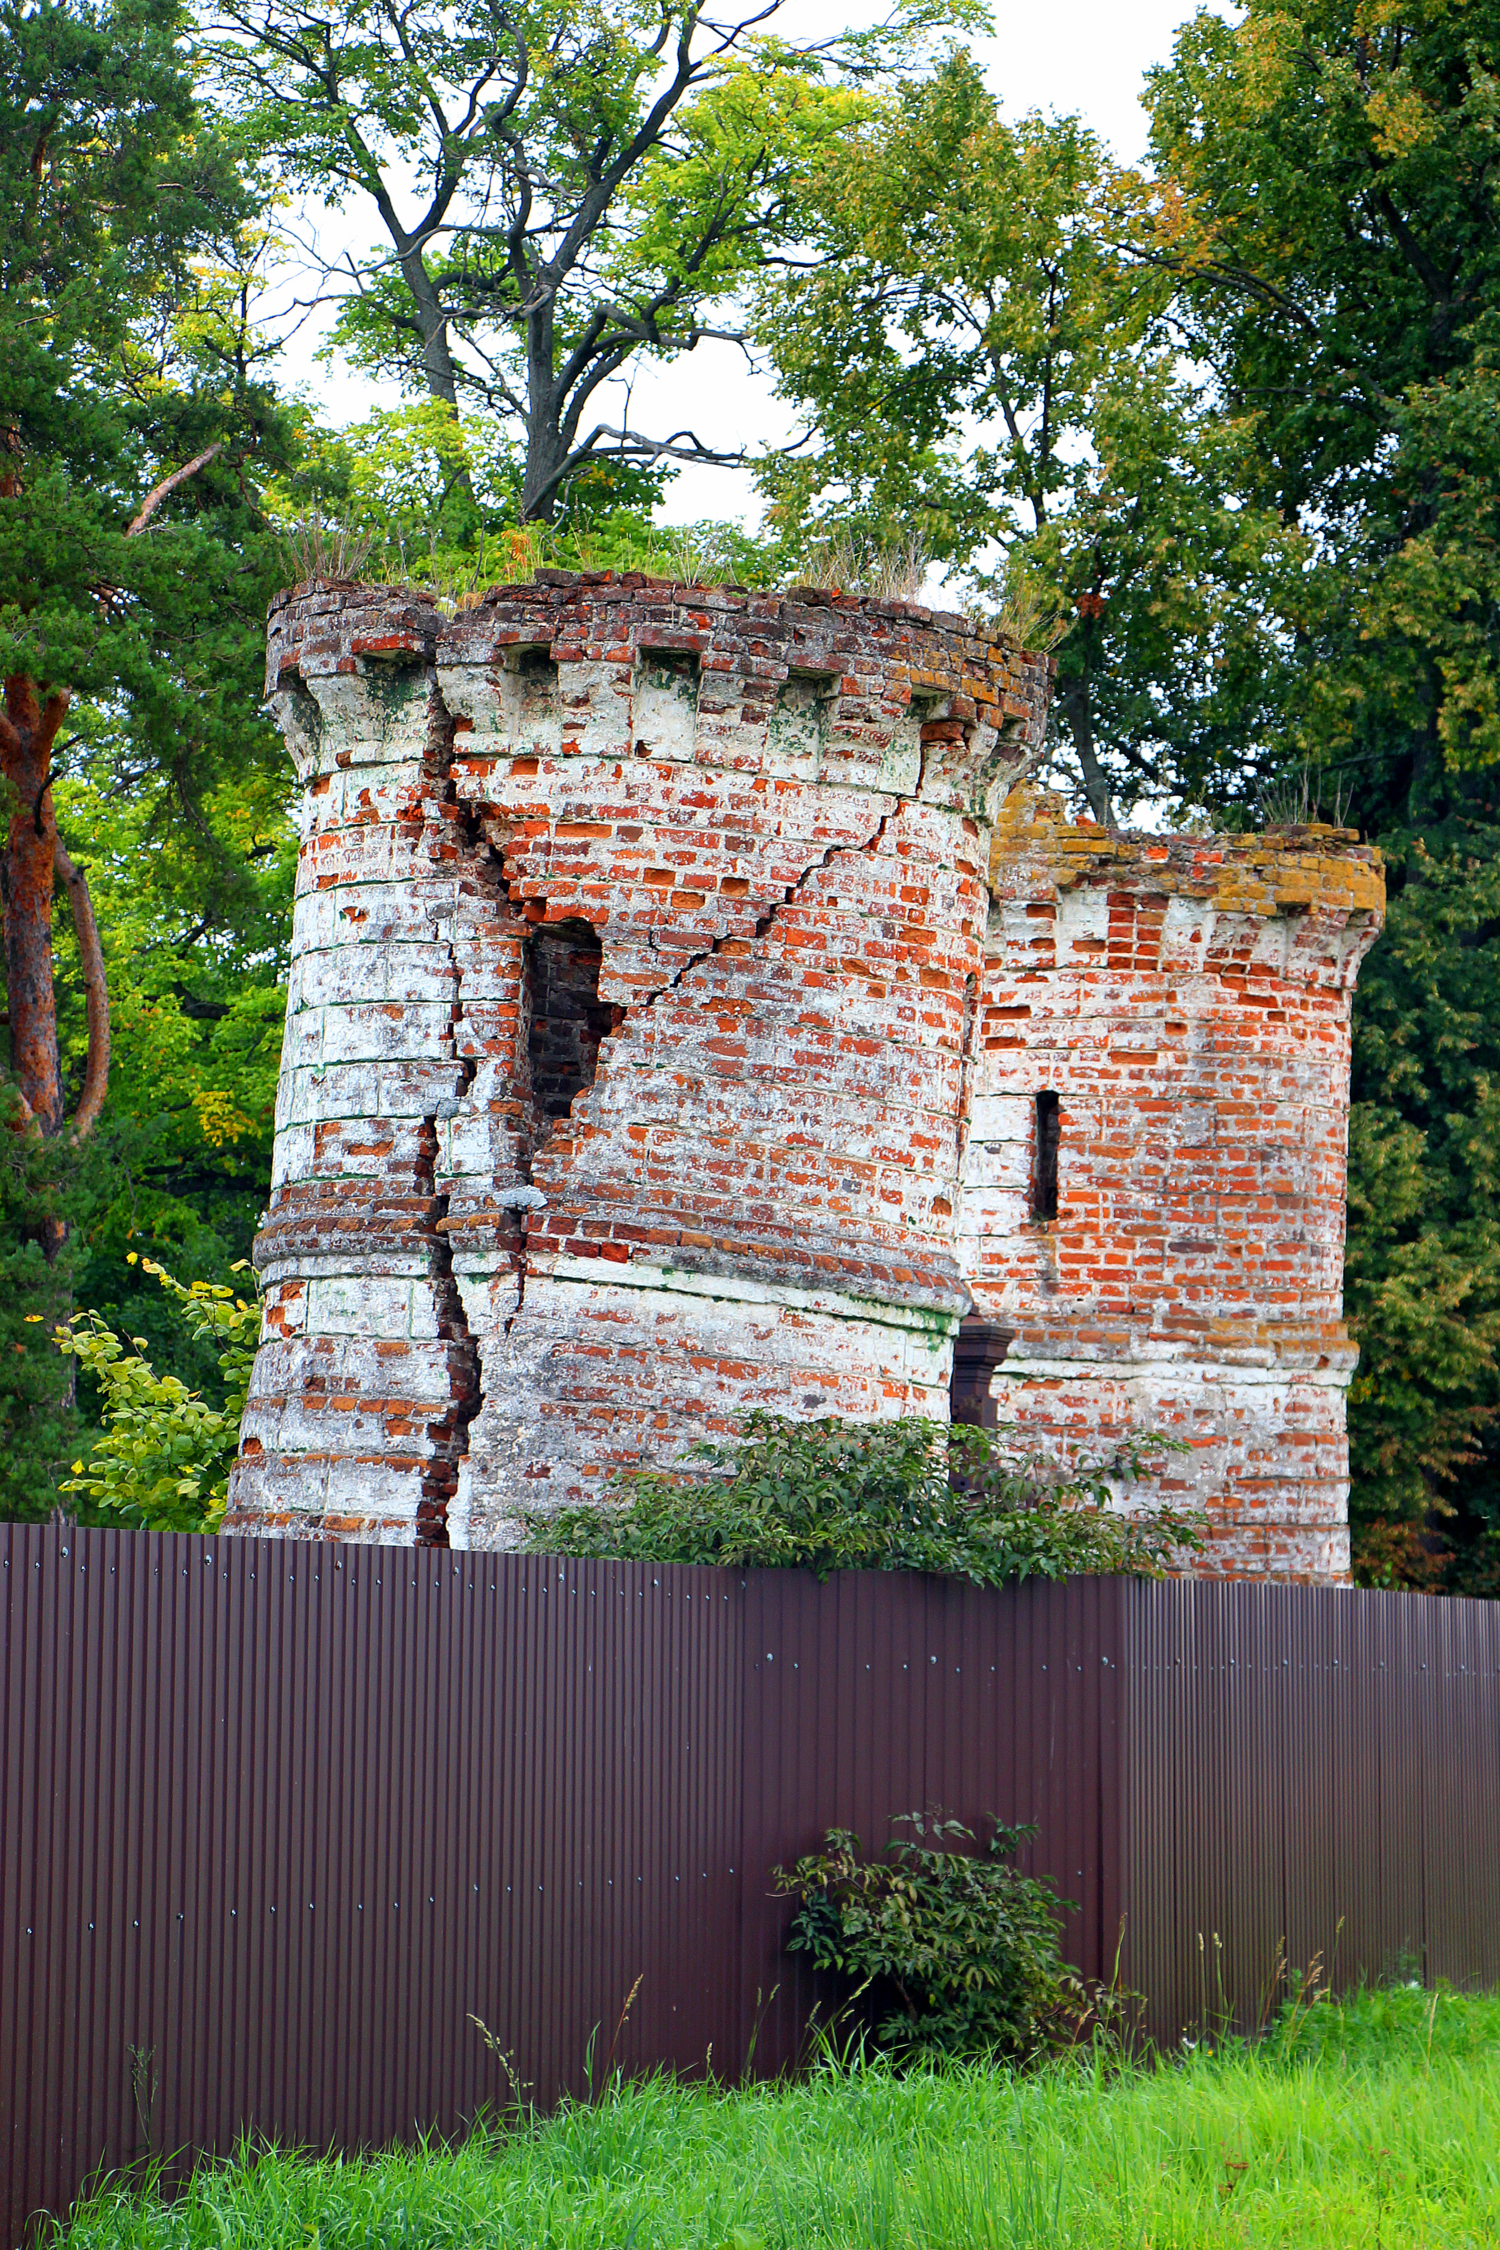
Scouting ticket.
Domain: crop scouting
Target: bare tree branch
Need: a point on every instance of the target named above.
(169, 484)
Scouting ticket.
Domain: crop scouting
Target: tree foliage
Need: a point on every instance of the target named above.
(45, 1197)
(1327, 212)
(974, 355)
(139, 427)
(909, 1495)
(163, 1459)
(1423, 1280)
(566, 188)
(129, 576)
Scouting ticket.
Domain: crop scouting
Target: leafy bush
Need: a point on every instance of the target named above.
(944, 1951)
(162, 1463)
(907, 1495)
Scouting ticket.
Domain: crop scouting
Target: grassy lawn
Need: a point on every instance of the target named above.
(1374, 2124)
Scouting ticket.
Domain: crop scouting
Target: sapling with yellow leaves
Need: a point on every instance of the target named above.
(162, 1461)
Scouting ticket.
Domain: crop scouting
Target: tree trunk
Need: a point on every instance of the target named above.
(1073, 703)
(437, 359)
(438, 370)
(96, 989)
(545, 449)
(539, 490)
(27, 733)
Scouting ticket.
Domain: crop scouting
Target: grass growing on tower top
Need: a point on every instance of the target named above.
(1374, 2124)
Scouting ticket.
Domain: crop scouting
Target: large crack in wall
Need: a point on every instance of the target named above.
(449, 1434)
(766, 920)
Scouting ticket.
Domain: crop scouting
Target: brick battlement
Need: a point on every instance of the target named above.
(675, 970)
(1185, 1001)
(1280, 870)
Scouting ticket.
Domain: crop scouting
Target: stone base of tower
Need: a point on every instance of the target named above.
(350, 1430)
(597, 1373)
(1260, 1418)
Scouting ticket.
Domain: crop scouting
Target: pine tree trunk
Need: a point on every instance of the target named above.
(27, 733)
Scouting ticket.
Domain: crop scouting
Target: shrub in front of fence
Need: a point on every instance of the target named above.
(939, 1949)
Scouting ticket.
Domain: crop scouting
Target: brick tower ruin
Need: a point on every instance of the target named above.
(689, 1011)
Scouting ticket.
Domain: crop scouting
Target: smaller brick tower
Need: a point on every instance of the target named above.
(1154, 1195)
(636, 963)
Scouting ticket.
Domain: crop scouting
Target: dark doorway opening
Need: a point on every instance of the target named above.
(1044, 1168)
(568, 1019)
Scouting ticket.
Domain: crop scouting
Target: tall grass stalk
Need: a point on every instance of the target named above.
(1373, 2124)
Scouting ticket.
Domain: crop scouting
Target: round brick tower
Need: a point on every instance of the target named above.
(639, 940)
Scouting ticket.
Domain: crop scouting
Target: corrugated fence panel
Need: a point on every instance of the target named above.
(279, 1819)
(1313, 1789)
(878, 1695)
(277, 1822)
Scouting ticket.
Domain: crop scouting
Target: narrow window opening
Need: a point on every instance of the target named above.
(567, 1018)
(1044, 1171)
(979, 1348)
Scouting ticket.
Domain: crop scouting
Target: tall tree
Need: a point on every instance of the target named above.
(123, 452)
(1326, 211)
(134, 562)
(976, 359)
(566, 187)
(1327, 208)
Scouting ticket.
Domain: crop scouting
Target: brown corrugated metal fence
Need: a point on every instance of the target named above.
(1314, 1777)
(278, 1820)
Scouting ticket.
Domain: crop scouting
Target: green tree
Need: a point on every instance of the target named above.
(135, 561)
(43, 1200)
(1326, 209)
(975, 356)
(565, 187)
(1423, 1276)
(163, 1459)
(194, 931)
(124, 430)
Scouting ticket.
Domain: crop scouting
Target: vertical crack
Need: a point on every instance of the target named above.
(449, 1433)
(518, 1259)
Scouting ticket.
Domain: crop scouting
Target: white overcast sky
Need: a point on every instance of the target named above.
(1087, 57)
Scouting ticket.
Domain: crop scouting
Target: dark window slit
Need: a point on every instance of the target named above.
(1044, 1163)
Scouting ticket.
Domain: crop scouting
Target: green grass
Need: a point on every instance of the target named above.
(1375, 2123)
